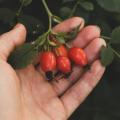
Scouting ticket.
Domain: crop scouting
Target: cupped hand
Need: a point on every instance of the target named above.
(26, 95)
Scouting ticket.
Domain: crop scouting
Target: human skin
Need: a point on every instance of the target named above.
(26, 95)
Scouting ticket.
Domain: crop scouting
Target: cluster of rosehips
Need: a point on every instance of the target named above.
(60, 59)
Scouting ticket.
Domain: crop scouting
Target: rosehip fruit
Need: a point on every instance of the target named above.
(61, 51)
(78, 56)
(63, 64)
(47, 61)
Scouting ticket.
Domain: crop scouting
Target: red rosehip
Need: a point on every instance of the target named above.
(63, 64)
(61, 51)
(47, 61)
(78, 56)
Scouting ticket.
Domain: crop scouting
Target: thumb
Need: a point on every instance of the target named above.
(11, 39)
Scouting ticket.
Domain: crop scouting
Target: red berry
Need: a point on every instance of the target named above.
(63, 64)
(61, 51)
(78, 56)
(47, 61)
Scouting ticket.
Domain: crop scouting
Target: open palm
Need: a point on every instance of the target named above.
(26, 95)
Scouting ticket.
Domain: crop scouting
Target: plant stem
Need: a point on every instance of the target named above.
(46, 7)
(46, 34)
(74, 8)
(20, 9)
(106, 37)
(116, 53)
(49, 14)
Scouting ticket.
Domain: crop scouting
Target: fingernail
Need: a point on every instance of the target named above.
(98, 28)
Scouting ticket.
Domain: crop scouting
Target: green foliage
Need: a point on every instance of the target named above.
(60, 39)
(23, 56)
(87, 6)
(106, 56)
(103, 103)
(115, 36)
(110, 5)
(65, 12)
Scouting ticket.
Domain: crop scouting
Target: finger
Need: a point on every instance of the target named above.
(69, 24)
(77, 93)
(92, 54)
(10, 40)
(87, 34)
(66, 26)
(93, 49)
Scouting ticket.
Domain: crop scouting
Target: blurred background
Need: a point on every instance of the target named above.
(104, 102)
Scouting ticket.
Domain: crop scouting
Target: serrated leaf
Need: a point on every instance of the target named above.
(23, 56)
(40, 40)
(115, 36)
(57, 19)
(26, 2)
(6, 15)
(65, 12)
(110, 5)
(106, 56)
(72, 35)
(60, 39)
(87, 6)
(52, 43)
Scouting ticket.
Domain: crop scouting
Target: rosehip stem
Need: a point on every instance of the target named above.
(106, 37)
(74, 8)
(20, 9)
(49, 14)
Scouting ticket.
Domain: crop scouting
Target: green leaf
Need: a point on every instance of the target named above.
(52, 43)
(115, 36)
(60, 39)
(87, 6)
(106, 56)
(26, 2)
(110, 5)
(72, 35)
(65, 12)
(23, 56)
(57, 19)
(6, 15)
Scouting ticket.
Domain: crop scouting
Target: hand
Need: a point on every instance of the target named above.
(26, 95)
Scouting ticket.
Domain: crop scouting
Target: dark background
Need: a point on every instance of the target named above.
(104, 102)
